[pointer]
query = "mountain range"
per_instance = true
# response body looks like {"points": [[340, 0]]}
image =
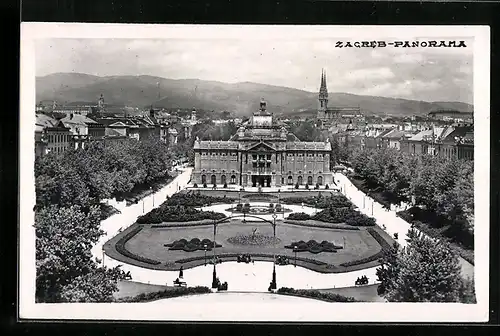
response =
{"points": [[239, 98]]}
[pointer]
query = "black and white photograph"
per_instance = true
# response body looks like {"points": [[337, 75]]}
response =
{"points": [[254, 173]]}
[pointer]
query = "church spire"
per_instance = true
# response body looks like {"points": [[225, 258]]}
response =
{"points": [[323, 96]]}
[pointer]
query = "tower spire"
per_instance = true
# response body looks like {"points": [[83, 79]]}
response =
{"points": [[323, 96]]}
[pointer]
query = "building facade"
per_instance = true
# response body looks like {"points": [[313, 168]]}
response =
{"points": [[262, 153]]}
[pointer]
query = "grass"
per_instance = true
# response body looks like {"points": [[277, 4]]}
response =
{"points": [[366, 293], [149, 243], [378, 194]]}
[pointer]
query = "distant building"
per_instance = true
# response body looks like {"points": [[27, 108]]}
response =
{"points": [[51, 136], [454, 116], [331, 116], [262, 153]]}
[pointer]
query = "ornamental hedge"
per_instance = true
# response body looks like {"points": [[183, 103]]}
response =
{"points": [[332, 214], [320, 202], [168, 293], [315, 294], [313, 246], [193, 245], [195, 199], [179, 213], [120, 247]]}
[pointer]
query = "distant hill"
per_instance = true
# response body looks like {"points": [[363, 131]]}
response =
{"points": [[240, 98]]}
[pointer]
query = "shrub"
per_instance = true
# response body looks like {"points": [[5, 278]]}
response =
{"points": [[317, 186], [193, 245], [296, 186], [331, 297], [307, 186], [168, 293], [167, 213], [344, 215], [298, 216], [327, 186], [195, 185], [120, 247], [225, 185], [204, 185], [195, 200]]}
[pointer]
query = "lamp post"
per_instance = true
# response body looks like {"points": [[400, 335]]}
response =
{"points": [[143, 206], [205, 248], [273, 283], [103, 256], [295, 251], [214, 275]]}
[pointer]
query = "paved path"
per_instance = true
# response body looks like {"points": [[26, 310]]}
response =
{"points": [[393, 223]]}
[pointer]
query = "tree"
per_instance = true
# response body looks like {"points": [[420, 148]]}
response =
{"points": [[426, 270], [64, 264]]}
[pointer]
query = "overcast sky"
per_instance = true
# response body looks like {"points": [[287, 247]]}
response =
{"points": [[429, 74]]}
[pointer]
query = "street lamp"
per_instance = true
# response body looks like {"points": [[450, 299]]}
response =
{"points": [[295, 250], [273, 283], [205, 248], [214, 275]]}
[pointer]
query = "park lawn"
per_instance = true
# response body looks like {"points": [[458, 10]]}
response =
{"points": [[149, 242], [127, 288]]}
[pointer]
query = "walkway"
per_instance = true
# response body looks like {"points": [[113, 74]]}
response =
{"points": [[393, 223]]}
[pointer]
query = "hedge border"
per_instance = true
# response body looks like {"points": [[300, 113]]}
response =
{"points": [[167, 293], [338, 226], [315, 294], [120, 247]]}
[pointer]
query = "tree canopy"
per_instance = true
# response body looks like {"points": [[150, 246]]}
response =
{"points": [[69, 189], [426, 270]]}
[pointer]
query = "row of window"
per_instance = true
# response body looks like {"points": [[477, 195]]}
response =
{"points": [[260, 156], [223, 179], [54, 138], [299, 181]]}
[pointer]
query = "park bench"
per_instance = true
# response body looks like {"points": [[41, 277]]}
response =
{"points": [[178, 283]]}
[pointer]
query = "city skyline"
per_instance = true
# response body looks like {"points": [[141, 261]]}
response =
{"points": [[427, 74]]}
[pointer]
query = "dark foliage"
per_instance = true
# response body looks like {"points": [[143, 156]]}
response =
{"points": [[315, 294], [193, 245], [179, 213], [168, 293], [313, 246]]}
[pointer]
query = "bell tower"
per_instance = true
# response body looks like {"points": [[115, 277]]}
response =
{"points": [[322, 97]]}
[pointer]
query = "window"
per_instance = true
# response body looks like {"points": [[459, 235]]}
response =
{"points": [[254, 164], [320, 180], [269, 156], [223, 179], [203, 179], [299, 180], [233, 179], [254, 157], [268, 165], [213, 179], [309, 180], [290, 180]]}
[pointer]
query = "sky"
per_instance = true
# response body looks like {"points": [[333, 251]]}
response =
{"points": [[428, 74]]}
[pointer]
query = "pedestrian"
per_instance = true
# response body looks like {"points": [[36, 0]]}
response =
{"points": [[181, 272]]}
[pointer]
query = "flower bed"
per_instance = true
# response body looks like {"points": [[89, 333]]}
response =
{"points": [[383, 243], [120, 247], [168, 293], [315, 294], [253, 255], [313, 246], [253, 240], [166, 213], [193, 245]]}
